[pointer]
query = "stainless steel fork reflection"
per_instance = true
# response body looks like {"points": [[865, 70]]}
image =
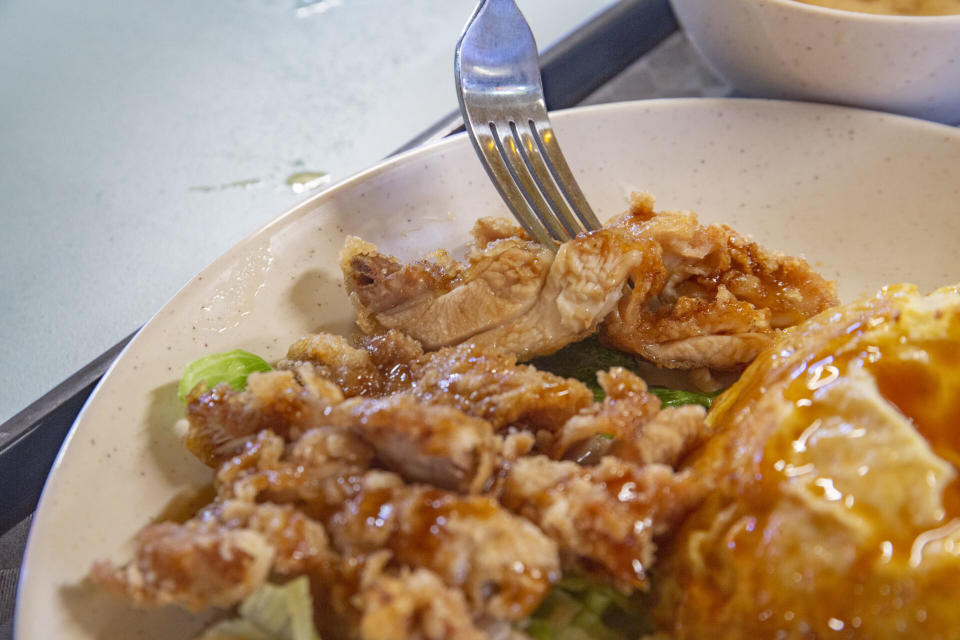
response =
{"points": [[501, 97]]}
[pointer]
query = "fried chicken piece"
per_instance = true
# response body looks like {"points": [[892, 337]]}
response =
{"points": [[316, 473], [216, 559], [626, 407], [630, 425], [488, 383], [285, 402], [414, 605], [604, 518], [335, 359], [712, 298], [483, 382], [667, 438], [422, 442], [514, 444], [510, 293], [504, 564], [195, 568], [392, 352], [434, 444]]}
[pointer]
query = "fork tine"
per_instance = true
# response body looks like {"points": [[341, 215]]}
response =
{"points": [[510, 147], [546, 180], [486, 144], [497, 74], [557, 164]]}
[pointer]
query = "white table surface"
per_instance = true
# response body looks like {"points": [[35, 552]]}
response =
{"points": [[139, 140]]}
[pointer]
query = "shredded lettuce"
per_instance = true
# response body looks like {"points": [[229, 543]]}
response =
{"points": [[272, 612], [581, 361], [231, 367], [578, 608]]}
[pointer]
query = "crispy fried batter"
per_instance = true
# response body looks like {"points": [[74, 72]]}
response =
{"points": [[193, 567], [632, 425], [286, 402], [603, 518], [416, 605], [667, 438], [435, 444], [392, 352], [489, 384], [335, 359], [503, 564], [218, 558]]}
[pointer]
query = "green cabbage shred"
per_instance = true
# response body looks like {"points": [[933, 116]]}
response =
{"points": [[231, 367]]}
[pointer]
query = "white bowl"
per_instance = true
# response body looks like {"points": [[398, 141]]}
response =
{"points": [[789, 49]]}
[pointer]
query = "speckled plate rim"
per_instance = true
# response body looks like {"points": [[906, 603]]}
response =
{"points": [[855, 15], [831, 183]]}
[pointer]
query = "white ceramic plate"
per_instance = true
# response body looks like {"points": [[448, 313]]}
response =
{"points": [[868, 198]]}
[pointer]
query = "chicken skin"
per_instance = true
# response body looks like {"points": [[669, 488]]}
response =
{"points": [[709, 298], [700, 297]]}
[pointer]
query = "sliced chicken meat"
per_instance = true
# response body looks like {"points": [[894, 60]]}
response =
{"points": [[702, 296], [510, 292], [712, 298]]}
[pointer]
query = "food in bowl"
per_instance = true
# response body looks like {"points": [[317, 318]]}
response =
{"points": [[432, 486], [893, 7], [790, 49]]}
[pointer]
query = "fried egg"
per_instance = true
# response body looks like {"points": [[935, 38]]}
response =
{"points": [[833, 508]]}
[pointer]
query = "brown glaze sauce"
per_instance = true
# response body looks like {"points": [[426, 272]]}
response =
{"points": [[921, 378]]}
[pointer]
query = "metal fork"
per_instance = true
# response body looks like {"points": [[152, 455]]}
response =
{"points": [[501, 97]]}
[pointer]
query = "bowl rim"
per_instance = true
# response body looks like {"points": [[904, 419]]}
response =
{"points": [[889, 18]]}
